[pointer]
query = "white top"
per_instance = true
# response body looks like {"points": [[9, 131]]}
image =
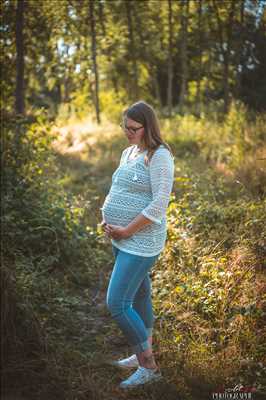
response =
{"points": [[138, 188]]}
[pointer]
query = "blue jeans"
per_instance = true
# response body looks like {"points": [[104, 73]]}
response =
{"points": [[129, 297]]}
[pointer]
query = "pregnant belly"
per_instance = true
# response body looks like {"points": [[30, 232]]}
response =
{"points": [[121, 210], [116, 216]]}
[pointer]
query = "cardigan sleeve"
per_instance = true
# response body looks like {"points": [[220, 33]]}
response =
{"points": [[161, 177]]}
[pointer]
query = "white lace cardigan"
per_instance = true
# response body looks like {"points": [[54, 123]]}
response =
{"points": [[137, 188]]}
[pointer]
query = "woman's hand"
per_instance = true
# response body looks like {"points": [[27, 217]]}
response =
{"points": [[102, 224], [116, 232]]}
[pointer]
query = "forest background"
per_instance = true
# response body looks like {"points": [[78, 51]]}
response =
{"points": [[69, 70]]}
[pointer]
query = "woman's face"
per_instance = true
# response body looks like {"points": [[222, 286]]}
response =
{"points": [[134, 131]]}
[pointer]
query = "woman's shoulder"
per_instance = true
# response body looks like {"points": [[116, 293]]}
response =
{"points": [[125, 153], [162, 152]]}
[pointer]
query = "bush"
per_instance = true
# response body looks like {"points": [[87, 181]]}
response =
{"points": [[45, 240], [208, 284]]}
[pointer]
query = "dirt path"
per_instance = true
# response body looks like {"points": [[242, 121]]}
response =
{"points": [[99, 339]]}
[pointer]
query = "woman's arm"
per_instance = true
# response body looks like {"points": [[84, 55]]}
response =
{"points": [[120, 232], [137, 223], [162, 177]]}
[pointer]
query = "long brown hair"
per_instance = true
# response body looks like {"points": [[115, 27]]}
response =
{"points": [[143, 113]]}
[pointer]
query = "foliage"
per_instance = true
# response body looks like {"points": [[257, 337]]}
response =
{"points": [[45, 242], [209, 283], [226, 45]]}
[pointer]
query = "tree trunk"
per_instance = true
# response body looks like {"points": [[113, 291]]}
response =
{"points": [[184, 63], [198, 94], [102, 17], [239, 59], [132, 51], [107, 52], [170, 60], [94, 60], [65, 87], [157, 86], [225, 37], [19, 93]]}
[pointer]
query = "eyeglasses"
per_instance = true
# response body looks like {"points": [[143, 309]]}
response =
{"points": [[131, 129]]}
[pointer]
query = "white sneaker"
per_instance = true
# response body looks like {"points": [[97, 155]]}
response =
{"points": [[130, 362], [140, 377]]}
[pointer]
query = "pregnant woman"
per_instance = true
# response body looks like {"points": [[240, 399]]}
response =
{"points": [[134, 218]]}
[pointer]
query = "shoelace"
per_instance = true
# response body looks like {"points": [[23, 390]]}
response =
{"points": [[141, 370]]}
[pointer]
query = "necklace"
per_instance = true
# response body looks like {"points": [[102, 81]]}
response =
{"points": [[139, 151], [135, 153], [132, 156]]}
